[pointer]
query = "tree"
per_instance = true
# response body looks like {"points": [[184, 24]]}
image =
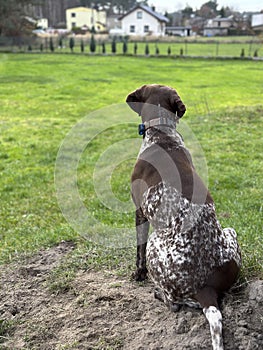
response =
{"points": [[222, 12], [122, 6], [12, 17], [92, 45], [169, 50], [208, 9], [187, 11], [157, 50]]}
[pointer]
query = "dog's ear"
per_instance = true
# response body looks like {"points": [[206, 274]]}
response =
{"points": [[135, 99], [177, 105]]}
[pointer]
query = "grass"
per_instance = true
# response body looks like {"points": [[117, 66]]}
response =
{"points": [[44, 96], [6, 329]]}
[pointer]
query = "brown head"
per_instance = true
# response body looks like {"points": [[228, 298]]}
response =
{"points": [[149, 99]]}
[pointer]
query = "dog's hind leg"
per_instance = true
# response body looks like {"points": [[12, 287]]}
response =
{"points": [[207, 298]]}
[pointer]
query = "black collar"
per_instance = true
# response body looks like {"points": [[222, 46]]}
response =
{"points": [[154, 122]]}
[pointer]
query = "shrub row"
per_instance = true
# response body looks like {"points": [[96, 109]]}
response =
{"points": [[93, 45]]}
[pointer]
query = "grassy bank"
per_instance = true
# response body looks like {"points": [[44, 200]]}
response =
{"points": [[44, 96]]}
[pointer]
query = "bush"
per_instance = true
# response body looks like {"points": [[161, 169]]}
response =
{"points": [[124, 47], [147, 50], [113, 46], [103, 47], [82, 47], [60, 43], [51, 45], [92, 45], [135, 48], [169, 50], [157, 50], [71, 44]]}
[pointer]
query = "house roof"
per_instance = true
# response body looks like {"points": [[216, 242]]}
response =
{"points": [[223, 19], [81, 9], [149, 10]]}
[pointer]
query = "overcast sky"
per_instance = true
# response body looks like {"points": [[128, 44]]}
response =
{"points": [[174, 5]]}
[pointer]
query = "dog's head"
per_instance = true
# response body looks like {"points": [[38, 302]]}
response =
{"points": [[149, 98]]}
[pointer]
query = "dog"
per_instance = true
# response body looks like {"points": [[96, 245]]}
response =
{"points": [[188, 255]]}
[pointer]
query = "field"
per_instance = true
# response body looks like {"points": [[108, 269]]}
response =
{"points": [[43, 97]]}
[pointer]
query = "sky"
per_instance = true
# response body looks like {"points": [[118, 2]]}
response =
{"points": [[238, 5]]}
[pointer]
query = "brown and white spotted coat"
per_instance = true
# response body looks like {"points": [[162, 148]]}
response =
{"points": [[188, 255]]}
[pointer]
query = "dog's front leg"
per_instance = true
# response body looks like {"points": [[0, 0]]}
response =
{"points": [[142, 229]]}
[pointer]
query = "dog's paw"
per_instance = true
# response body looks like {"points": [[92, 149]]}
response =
{"points": [[140, 274]]}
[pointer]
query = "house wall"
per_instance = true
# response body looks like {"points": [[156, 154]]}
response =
{"points": [[79, 17], [215, 31], [222, 24], [154, 26], [257, 20]]}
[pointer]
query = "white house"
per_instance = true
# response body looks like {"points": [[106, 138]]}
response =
{"points": [[143, 20], [219, 26], [257, 21], [85, 17]]}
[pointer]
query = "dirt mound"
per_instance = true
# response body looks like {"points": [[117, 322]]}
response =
{"points": [[104, 311]]}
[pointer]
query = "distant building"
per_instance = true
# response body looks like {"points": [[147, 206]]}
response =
{"points": [[42, 23], [89, 18], [179, 31], [218, 26], [143, 20], [257, 22]]}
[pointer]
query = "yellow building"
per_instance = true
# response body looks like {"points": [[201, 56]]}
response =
{"points": [[86, 17]]}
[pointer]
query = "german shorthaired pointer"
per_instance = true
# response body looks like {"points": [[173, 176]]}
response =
{"points": [[190, 258]]}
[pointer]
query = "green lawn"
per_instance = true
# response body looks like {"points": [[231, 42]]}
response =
{"points": [[44, 96]]}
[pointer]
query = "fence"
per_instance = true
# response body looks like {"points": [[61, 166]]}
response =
{"points": [[252, 47]]}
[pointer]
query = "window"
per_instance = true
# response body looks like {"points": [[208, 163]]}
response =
{"points": [[139, 14], [73, 14], [132, 29], [146, 29], [73, 25]]}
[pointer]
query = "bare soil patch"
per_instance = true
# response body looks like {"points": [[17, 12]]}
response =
{"points": [[102, 310]]}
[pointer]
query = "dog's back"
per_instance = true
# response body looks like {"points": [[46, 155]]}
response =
{"points": [[188, 242]]}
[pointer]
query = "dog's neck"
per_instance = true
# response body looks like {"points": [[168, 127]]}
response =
{"points": [[160, 121], [153, 135]]}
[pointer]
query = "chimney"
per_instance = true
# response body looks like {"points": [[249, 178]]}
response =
{"points": [[153, 8]]}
